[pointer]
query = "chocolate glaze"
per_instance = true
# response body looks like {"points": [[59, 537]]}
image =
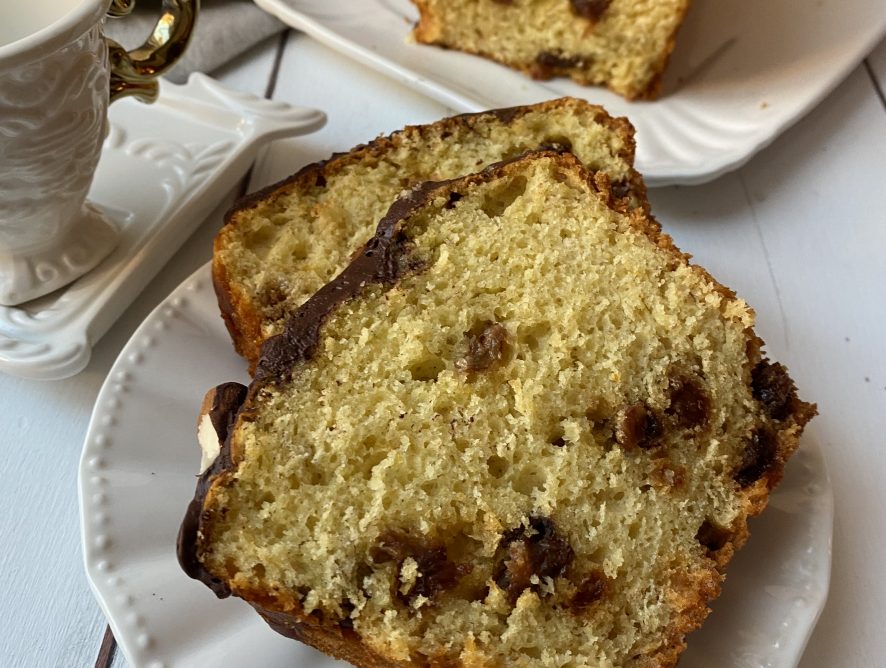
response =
{"points": [[226, 400], [225, 405], [378, 262]]}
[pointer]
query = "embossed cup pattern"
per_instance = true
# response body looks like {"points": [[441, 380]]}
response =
{"points": [[52, 124]]}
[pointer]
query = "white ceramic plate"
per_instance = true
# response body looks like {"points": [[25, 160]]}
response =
{"points": [[137, 475], [742, 72], [163, 169]]}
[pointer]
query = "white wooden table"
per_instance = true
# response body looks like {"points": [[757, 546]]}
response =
{"points": [[800, 232]]}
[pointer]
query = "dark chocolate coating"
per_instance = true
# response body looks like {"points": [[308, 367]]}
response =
{"points": [[378, 262], [225, 405]]}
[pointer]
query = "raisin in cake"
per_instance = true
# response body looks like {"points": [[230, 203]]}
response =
{"points": [[622, 44], [520, 429], [282, 244]]}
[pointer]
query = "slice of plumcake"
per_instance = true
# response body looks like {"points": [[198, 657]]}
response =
{"points": [[519, 429]]}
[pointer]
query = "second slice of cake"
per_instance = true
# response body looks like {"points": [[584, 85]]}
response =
{"points": [[279, 246]]}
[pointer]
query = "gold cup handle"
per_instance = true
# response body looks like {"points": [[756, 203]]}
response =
{"points": [[135, 72]]}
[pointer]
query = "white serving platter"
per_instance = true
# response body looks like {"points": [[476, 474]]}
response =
{"points": [[743, 71]]}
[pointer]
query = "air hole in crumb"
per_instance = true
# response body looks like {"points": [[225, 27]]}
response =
{"points": [[598, 411], [453, 198], [528, 480], [258, 570], [426, 368], [259, 239], [347, 608], [557, 437], [533, 336], [532, 652], [372, 455], [497, 466], [311, 474], [462, 548], [712, 536], [495, 203], [272, 297], [598, 556]]}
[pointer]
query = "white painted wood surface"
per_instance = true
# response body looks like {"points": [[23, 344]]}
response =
{"points": [[800, 233]]}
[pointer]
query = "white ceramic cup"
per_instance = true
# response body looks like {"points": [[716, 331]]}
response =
{"points": [[57, 74]]}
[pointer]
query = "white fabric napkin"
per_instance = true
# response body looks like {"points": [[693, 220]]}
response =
{"points": [[225, 28]]}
